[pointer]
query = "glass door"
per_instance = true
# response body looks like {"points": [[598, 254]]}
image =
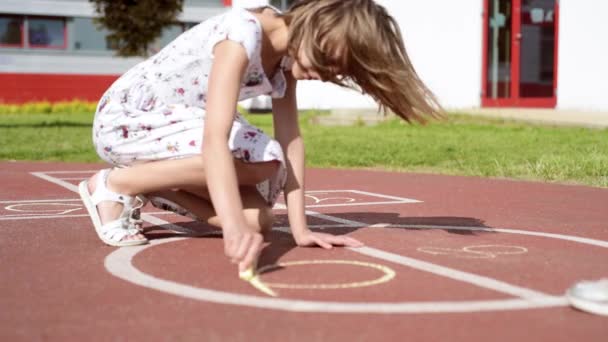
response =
{"points": [[520, 53], [499, 69]]}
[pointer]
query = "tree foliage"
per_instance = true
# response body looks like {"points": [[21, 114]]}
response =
{"points": [[135, 24]]}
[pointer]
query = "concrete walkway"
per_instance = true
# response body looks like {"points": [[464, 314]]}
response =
{"points": [[554, 117], [544, 116]]}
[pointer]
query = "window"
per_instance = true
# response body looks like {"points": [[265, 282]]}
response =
{"points": [[167, 36], [11, 31], [189, 25], [87, 37], [37, 32], [46, 33]]}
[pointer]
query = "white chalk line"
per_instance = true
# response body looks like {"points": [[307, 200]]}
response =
{"points": [[529, 298], [356, 204], [27, 207], [59, 200], [68, 172], [588, 241], [278, 206], [120, 264], [475, 251], [465, 277], [122, 267], [46, 177], [318, 200], [395, 200], [41, 217]]}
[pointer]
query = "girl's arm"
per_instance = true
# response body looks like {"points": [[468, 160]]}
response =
{"points": [[287, 133], [241, 243]]}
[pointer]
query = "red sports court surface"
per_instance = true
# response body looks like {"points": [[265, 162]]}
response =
{"points": [[446, 258]]}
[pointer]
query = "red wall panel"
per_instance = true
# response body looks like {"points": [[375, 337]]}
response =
{"points": [[19, 88]]}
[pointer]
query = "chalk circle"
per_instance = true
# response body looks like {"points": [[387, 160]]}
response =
{"points": [[458, 253], [120, 264], [496, 249], [46, 208], [476, 251], [388, 274]]}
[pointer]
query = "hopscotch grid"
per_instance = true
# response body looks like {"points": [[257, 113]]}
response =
{"points": [[280, 206], [34, 215], [40, 201], [406, 200], [490, 283], [395, 200], [64, 172], [57, 181], [38, 217], [357, 204]]}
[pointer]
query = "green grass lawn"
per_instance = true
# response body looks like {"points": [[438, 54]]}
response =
{"points": [[461, 146]]}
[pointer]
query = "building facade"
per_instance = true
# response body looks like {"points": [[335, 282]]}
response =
{"points": [[471, 53], [52, 50]]}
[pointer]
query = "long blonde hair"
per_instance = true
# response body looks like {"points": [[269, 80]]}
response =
{"points": [[371, 52]]}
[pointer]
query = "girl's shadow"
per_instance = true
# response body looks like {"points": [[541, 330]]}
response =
{"points": [[280, 243]]}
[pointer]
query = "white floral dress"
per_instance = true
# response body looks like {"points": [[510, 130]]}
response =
{"points": [[156, 110]]}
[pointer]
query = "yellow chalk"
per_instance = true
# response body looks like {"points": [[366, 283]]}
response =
{"points": [[249, 275]]}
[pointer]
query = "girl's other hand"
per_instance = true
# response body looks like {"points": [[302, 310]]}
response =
{"points": [[327, 241], [243, 247]]}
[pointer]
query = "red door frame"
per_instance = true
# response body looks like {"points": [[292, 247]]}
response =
{"points": [[515, 100]]}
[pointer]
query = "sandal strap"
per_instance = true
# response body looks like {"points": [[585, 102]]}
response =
{"points": [[102, 193], [115, 230], [134, 215]]}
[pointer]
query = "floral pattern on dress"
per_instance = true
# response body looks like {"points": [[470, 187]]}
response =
{"points": [[156, 110]]}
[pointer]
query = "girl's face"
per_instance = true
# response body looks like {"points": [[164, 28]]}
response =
{"points": [[302, 68]]}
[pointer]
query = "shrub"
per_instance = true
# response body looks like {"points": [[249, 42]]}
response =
{"points": [[45, 107]]}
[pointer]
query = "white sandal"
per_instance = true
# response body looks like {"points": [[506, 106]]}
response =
{"points": [[127, 224], [135, 220]]}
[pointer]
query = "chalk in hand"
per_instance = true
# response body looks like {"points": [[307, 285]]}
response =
{"points": [[249, 275]]}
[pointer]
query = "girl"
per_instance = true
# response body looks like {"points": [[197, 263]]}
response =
{"points": [[170, 125]]}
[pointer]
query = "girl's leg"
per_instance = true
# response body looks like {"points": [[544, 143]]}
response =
{"points": [[179, 174], [196, 200], [170, 174]]}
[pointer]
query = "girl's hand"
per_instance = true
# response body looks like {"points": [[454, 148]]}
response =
{"points": [[243, 247], [327, 241]]}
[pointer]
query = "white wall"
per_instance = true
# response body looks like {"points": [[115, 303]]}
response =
{"points": [[249, 3], [583, 55], [444, 41]]}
